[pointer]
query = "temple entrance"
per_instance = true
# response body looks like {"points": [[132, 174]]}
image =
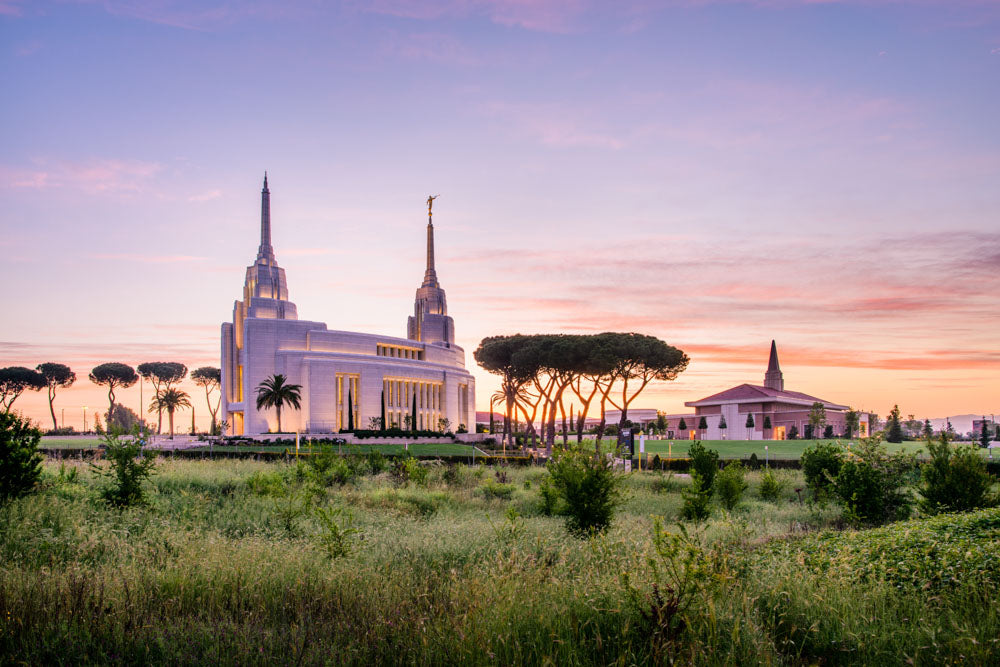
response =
{"points": [[779, 433]]}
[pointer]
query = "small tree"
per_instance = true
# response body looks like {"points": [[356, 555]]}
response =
{"points": [[820, 465], [14, 380], [55, 375], [209, 378], [817, 418], [444, 424], [955, 479], [350, 411], [722, 426], [275, 392], [123, 418], [696, 499], [590, 487], [894, 430], [730, 484], [702, 426], [793, 432], [828, 431], [20, 462], [767, 422], [704, 462], [682, 425], [872, 484], [984, 436], [851, 419], [130, 466], [928, 429], [113, 375], [750, 424]]}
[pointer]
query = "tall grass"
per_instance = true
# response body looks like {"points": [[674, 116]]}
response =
{"points": [[226, 564]]}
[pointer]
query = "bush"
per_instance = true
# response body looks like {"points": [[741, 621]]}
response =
{"points": [[872, 484], [496, 490], [549, 497], [696, 500], [771, 487], [589, 486], [955, 479], [820, 465], [409, 470], [20, 462], [730, 484], [704, 462], [130, 467], [336, 537], [376, 462]]}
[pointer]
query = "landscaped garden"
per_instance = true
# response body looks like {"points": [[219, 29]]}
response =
{"points": [[362, 559]]}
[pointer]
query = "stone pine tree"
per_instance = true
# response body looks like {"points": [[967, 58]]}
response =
{"points": [[113, 375], [750, 424], [14, 380], [210, 378], [163, 375], [894, 430], [56, 375]]}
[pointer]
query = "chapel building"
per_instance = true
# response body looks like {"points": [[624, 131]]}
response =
{"points": [[340, 370]]}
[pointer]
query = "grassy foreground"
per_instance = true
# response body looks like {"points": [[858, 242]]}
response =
{"points": [[230, 562]]}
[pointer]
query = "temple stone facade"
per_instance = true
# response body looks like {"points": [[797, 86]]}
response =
{"points": [[340, 370]]}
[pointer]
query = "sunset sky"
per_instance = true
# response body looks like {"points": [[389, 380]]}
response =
{"points": [[714, 173]]}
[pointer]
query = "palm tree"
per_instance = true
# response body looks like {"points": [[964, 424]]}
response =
{"points": [[170, 400], [274, 393]]}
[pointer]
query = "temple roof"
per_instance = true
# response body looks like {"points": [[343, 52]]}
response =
{"points": [[748, 393]]}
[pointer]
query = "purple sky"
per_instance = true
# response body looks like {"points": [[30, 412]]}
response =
{"points": [[713, 173]]}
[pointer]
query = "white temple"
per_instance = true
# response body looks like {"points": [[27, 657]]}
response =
{"points": [[337, 369]]}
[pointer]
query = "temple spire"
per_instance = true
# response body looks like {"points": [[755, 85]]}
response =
{"points": [[773, 378], [265, 254], [430, 275]]}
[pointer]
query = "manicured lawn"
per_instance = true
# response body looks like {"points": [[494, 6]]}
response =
{"points": [[417, 449]]}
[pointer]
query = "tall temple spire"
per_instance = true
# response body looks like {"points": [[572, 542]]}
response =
{"points": [[265, 254], [773, 378], [430, 275]]}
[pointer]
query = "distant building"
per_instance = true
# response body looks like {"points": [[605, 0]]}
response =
{"points": [[340, 371], [977, 428], [775, 411]]}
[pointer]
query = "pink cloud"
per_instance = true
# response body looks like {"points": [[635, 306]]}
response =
{"points": [[108, 176]]}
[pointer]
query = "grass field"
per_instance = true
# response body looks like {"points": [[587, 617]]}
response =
{"points": [[236, 562]]}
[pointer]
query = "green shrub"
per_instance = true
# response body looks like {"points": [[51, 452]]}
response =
{"points": [[955, 479], [705, 462], [663, 483], [20, 462], [376, 462], [496, 490], [263, 483], [590, 488], [549, 497], [336, 536], [730, 484], [820, 464], [696, 499], [409, 470], [130, 467], [872, 484], [771, 486]]}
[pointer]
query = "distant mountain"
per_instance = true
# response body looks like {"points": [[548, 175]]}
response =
{"points": [[961, 423]]}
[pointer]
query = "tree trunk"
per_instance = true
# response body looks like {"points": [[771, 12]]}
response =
{"points": [[277, 409], [52, 398], [170, 415]]}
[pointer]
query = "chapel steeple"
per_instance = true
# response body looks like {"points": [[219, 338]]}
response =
{"points": [[773, 379], [265, 289]]}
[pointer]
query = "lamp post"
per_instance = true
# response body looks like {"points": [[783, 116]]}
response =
{"points": [[85, 419]]}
